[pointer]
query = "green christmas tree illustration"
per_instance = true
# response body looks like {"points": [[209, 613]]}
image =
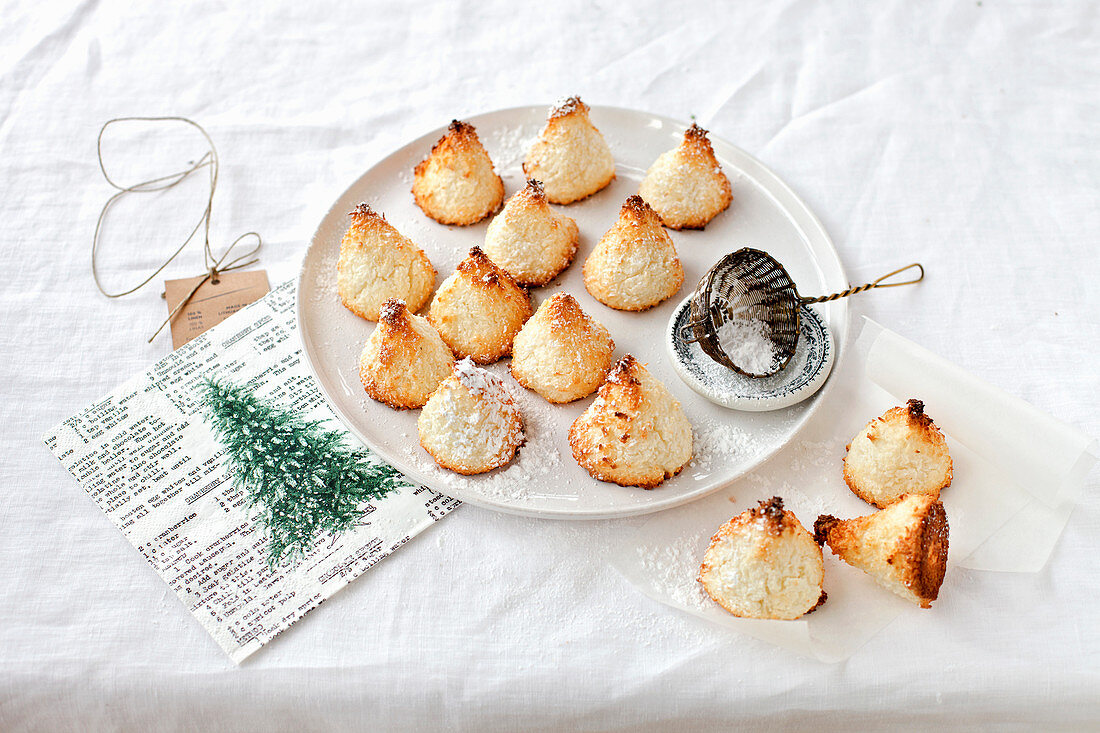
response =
{"points": [[302, 478]]}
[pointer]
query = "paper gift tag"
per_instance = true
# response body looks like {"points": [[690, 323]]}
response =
{"points": [[213, 302]]}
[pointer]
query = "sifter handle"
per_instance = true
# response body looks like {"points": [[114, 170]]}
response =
{"points": [[870, 286]]}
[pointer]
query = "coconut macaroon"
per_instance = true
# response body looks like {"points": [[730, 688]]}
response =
{"points": [[377, 263], [404, 360], [634, 433], [471, 423], [902, 452], [456, 183], [634, 266], [570, 156], [903, 547], [531, 241], [686, 185], [764, 564], [479, 309], [561, 353]]}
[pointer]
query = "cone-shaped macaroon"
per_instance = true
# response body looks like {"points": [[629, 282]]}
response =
{"points": [[634, 266], [479, 309], [764, 564], [561, 353], [377, 263], [686, 185], [902, 452], [903, 547], [404, 359], [471, 423], [570, 157], [456, 183], [635, 433], [531, 241]]}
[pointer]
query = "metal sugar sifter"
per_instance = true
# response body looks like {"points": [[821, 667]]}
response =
{"points": [[752, 285]]}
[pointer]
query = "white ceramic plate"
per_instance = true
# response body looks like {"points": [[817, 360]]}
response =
{"points": [[544, 480]]}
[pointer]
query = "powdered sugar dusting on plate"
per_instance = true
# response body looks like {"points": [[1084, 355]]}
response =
{"points": [[674, 568]]}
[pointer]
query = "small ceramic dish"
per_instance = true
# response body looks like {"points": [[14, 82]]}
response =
{"points": [[800, 379]]}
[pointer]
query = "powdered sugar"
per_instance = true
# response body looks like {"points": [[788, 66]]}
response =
{"points": [[673, 569], [748, 345], [718, 441], [481, 382]]}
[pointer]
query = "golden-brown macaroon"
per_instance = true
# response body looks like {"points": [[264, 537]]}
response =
{"points": [[456, 183], [561, 353], [903, 547], [377, 263], [902, 452], [686, 185], [531, 241], [479, 309], [634, 433], [471, 423], [570, 157], [634, 266], [764, 564], [404, 360]]}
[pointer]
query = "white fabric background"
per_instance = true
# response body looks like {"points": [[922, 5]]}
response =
{"points": [[962, 134]]}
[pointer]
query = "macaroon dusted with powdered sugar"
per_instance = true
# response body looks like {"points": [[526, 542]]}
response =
{"points": [[635, 433], [404, 360], [471, 423], [377, 263], [570, 157], [562, 353], [902, 452], [530, 240], [634, 266], [479, 309], [686, 185], [764, 564], [456, 183]]}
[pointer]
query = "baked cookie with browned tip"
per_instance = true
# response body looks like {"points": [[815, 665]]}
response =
{"points": [[378, 263], [634, 433], [686, 185], [570, 157], [561, 353], [471, 423], [530, 240], [479, 309], [764, 564], [404, 360], [902, 452], [903, 547], [456, 183], [634, 266]]}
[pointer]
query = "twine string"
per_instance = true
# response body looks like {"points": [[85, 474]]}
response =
{"points": [[213, 265]]}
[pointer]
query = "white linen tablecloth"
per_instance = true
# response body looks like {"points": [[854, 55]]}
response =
{"points": [[961, 134]]}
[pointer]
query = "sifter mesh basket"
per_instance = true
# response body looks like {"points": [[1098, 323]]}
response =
{"points": [[751, 284]]}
